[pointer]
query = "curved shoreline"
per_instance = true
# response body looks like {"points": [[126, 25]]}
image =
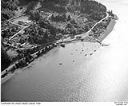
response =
{"points": [[11, 69], [108, 30]]}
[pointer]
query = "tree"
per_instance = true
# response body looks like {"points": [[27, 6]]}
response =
{"points": [[8, 8], [5, 60], [31, 7], [69, 18], [111, 13], [45, 37], [35, 15]]}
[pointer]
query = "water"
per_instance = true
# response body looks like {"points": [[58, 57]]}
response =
{"points": [[67, 74]]}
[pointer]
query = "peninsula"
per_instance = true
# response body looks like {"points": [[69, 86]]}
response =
{"points": [[30, 28]]}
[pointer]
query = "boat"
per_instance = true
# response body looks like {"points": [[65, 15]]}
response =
{"points": [[62, 45]]}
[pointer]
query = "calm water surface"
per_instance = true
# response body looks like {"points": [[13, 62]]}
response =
{"points": [[71, 74]]}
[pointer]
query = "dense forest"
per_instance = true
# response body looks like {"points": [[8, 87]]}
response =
{"points": [[94, 9]]}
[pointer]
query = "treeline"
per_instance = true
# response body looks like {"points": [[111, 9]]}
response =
{"points": [[94, 9], [26, 2], [5, 59], [37, 35], [41, 32], [8, 8], [60, 18], [54, 5]]}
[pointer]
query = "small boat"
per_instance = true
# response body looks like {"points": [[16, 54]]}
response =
{"points": [[105, 44], [60, 63], [91, 53], [62, 45], [82, 39]]}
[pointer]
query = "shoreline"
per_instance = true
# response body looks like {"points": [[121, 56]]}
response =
{"points": [[108, 30], [12, 69]]}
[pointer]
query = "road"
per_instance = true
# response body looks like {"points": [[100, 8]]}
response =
{"points": [[81, 71]]}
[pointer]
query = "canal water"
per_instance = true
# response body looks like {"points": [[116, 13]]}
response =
{"points": [[81, 71]]}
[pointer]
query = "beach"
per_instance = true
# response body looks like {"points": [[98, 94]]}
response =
{"points": [[82, 71]]}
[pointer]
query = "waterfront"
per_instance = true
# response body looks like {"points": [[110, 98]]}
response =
{"points": [[69, 74]]}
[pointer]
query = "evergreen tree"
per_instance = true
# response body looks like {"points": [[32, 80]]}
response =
{"points": [[69, 18]]}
